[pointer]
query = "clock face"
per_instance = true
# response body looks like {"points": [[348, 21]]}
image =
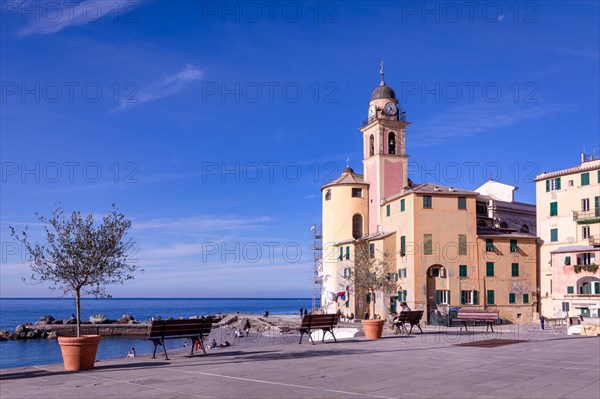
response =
{"points": [[372, 110], [390, 108]]}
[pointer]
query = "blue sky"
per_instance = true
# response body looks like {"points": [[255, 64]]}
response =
{"points": [[212, 125]]}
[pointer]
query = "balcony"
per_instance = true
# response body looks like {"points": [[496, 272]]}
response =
{"points": [[595, 241], [585, 217]]}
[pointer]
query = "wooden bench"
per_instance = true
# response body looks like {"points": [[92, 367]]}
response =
{"points": [[312, 322], [412, 317], [195, 329], [489, 317]]}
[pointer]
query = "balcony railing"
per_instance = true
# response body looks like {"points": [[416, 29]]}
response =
{"points": [[587, 216], [594, 240]]}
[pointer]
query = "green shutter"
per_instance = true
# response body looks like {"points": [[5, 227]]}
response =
{"points": [[585, 179], [462, 271], [553, 208], [567, 260], [490, 297], [570, 289], [387, 210], [553, 235], [597, 206], [438, 296], [547, 185], [402, 205], [512, 298], [463, 297], [525, 298], [557, 183], [347, 304], [428, 244], [347, 252], [402, 245], [462, 203], [489, 269], [475, 297], [597, 287], [341, 253], [368, 298], [515, 270]]}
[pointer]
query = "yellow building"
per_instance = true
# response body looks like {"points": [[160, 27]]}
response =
{"points": [[445, 251], [568, 222]]}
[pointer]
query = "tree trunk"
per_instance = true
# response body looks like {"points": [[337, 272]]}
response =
{"points": [[78, 311]]}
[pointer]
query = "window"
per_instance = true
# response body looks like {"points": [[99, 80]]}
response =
{"points": [[525, 298], [585, 258], [427, 244], [513, 246], [402, 207], [553, 235], [503, 225], [392, 143], [402, 294], [512, 298], [570, 289], [437, 272], [347, 272], [388, 210], [402, 245], [585, 205], [553, 184], [442, 297], [341, 253], [462, 244], [371, 145], [427, 202], [514, 270], [585, 231], [462, 271], [553, 208], [372, 250], [462, 202], [327, 195], [347, 252], [357, 226], [481, 209], [466, 297], [524, 229], [489, 245], [571, 183], [490, 297], [567, 260], [357, 192], [489, 269], [585, 179]]}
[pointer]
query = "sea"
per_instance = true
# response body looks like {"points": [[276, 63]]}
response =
{"points": [[21, 353]]}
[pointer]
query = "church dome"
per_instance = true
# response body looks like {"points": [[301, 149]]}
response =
{"points": [[383, 91]]}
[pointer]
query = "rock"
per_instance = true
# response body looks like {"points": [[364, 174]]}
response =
{"points": [[30, 334], [52, 335], [98, 319], [47, 319], [58, 322], [21, 328], [125, 319], [70, 321]]}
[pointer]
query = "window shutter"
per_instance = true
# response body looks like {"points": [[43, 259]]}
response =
{"points": [[490, 297], [368, 298], [438, 295], [567, 260], [347, 252], [512, 298], [387, 210], [462, 271], [585, 179], [448, 293], [525, 298], [557, 183], [553, 208], [475, 297], [402, 245], [547, 185], [515, 270], [463, 297], [402, 204], [570, 289], [489, 269], [341, 253]]}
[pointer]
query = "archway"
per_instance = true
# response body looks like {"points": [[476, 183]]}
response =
{"points": [[438, 294]]}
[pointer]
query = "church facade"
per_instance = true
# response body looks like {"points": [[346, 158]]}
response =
{"points": [[446, 247]]}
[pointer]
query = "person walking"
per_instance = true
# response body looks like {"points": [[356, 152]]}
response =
{"points": [[301, 310], [542, 321]]}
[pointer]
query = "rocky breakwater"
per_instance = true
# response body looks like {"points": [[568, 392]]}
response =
{"points": [[49, 327]]}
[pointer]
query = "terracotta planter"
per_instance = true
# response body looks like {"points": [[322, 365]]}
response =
{"points": [[79, 353], [373, 328]]}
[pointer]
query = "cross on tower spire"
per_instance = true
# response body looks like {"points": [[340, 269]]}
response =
{"points": [[381, 72]]}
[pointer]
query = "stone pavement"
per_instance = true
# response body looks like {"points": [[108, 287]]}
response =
{"points": [[505, 364]]}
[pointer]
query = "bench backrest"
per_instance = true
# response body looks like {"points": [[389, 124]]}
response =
{"points": [[175, 328], [478, 314], [319, 321], [411, 317]]}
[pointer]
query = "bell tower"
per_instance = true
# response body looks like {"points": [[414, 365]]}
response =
{"points": [[384, 147]]}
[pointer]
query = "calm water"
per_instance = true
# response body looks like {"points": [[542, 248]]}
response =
{"points": [[18, 353]]}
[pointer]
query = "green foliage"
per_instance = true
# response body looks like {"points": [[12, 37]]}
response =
{"points": [[80, 257]]}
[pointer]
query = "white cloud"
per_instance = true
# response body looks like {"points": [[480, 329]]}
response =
{"points": [[49, 17], [167, 86]]}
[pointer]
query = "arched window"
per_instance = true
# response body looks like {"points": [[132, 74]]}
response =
{"points": [[392, 143], [327, 195], [588, 286], [481, 223], [524, 229], [371, 145], [357, 226], [503, 225]]}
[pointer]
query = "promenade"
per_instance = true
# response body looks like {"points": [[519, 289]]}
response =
{"points": [[437, 364]]}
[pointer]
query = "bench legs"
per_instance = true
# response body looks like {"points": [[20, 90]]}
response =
{"points": [[416, 324], [330, 330], [162, 343], [307, 332]]}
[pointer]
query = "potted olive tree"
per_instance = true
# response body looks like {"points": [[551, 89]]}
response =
{"points": [[370, 275], [80, 257]]}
